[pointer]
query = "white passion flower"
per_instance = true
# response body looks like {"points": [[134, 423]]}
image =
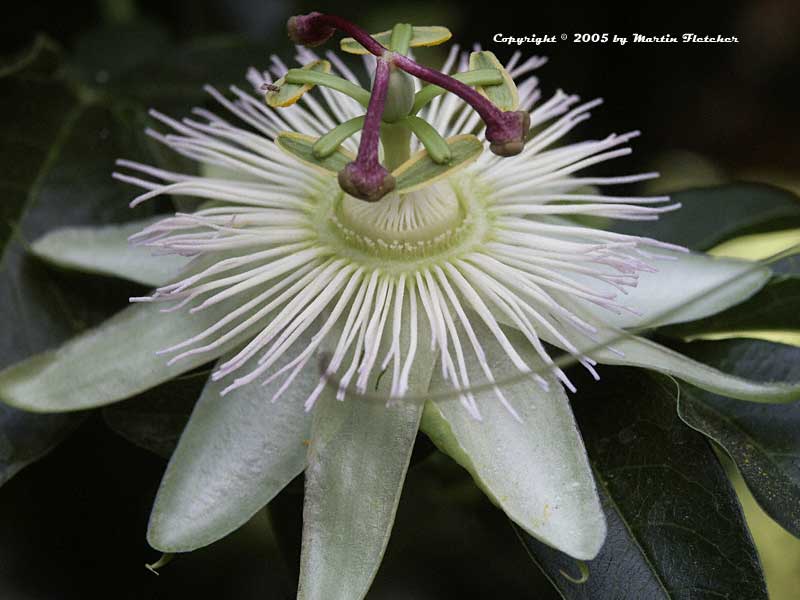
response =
{"points": [[301, 265], [415, 243]]}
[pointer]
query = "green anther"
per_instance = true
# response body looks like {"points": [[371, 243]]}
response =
{"points": [[434, 143], [330, 142], [420, 36], [478, 77], [300, 76], [504, 96], [401, 38]]}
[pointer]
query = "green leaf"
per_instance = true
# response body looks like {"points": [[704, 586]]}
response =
{"points": [[111, 362], [426, 35], [535, 469], [504, 95], [289, 93], [762, 440], [137, 63], [714, 214], [302, 147], [421, 170], [676, 529], [236, 453], [104, 56], [105, 250], [357, 462], [774, 308], [155, 419]]}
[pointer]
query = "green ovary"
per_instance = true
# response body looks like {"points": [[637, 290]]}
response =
{"points": [[406, 231]]}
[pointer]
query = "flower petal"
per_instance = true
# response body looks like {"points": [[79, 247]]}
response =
{"points": [[234, 456], [110, 362], [534, 468], [639, 352], [691, 286], [357, 462], [106, 251]]}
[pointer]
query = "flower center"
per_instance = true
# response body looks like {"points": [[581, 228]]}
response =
{"points": [[419, 224]]}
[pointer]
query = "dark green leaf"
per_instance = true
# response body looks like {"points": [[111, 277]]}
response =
{"points": [[172, 77], [103, 57], [714, 214], [774, 307], [137, 64], [675, 526], [56, 154], [25, 438], [449, 541], [155, 419], [43, 58], [763, 439]]}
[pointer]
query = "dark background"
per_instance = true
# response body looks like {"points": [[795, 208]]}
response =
{"points": [[73, 525], [736, 103]]}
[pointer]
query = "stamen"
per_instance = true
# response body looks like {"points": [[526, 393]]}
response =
{"points": [[506, 131]]}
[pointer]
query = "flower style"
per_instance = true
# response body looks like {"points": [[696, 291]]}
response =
{"points": [[417, 243]]}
